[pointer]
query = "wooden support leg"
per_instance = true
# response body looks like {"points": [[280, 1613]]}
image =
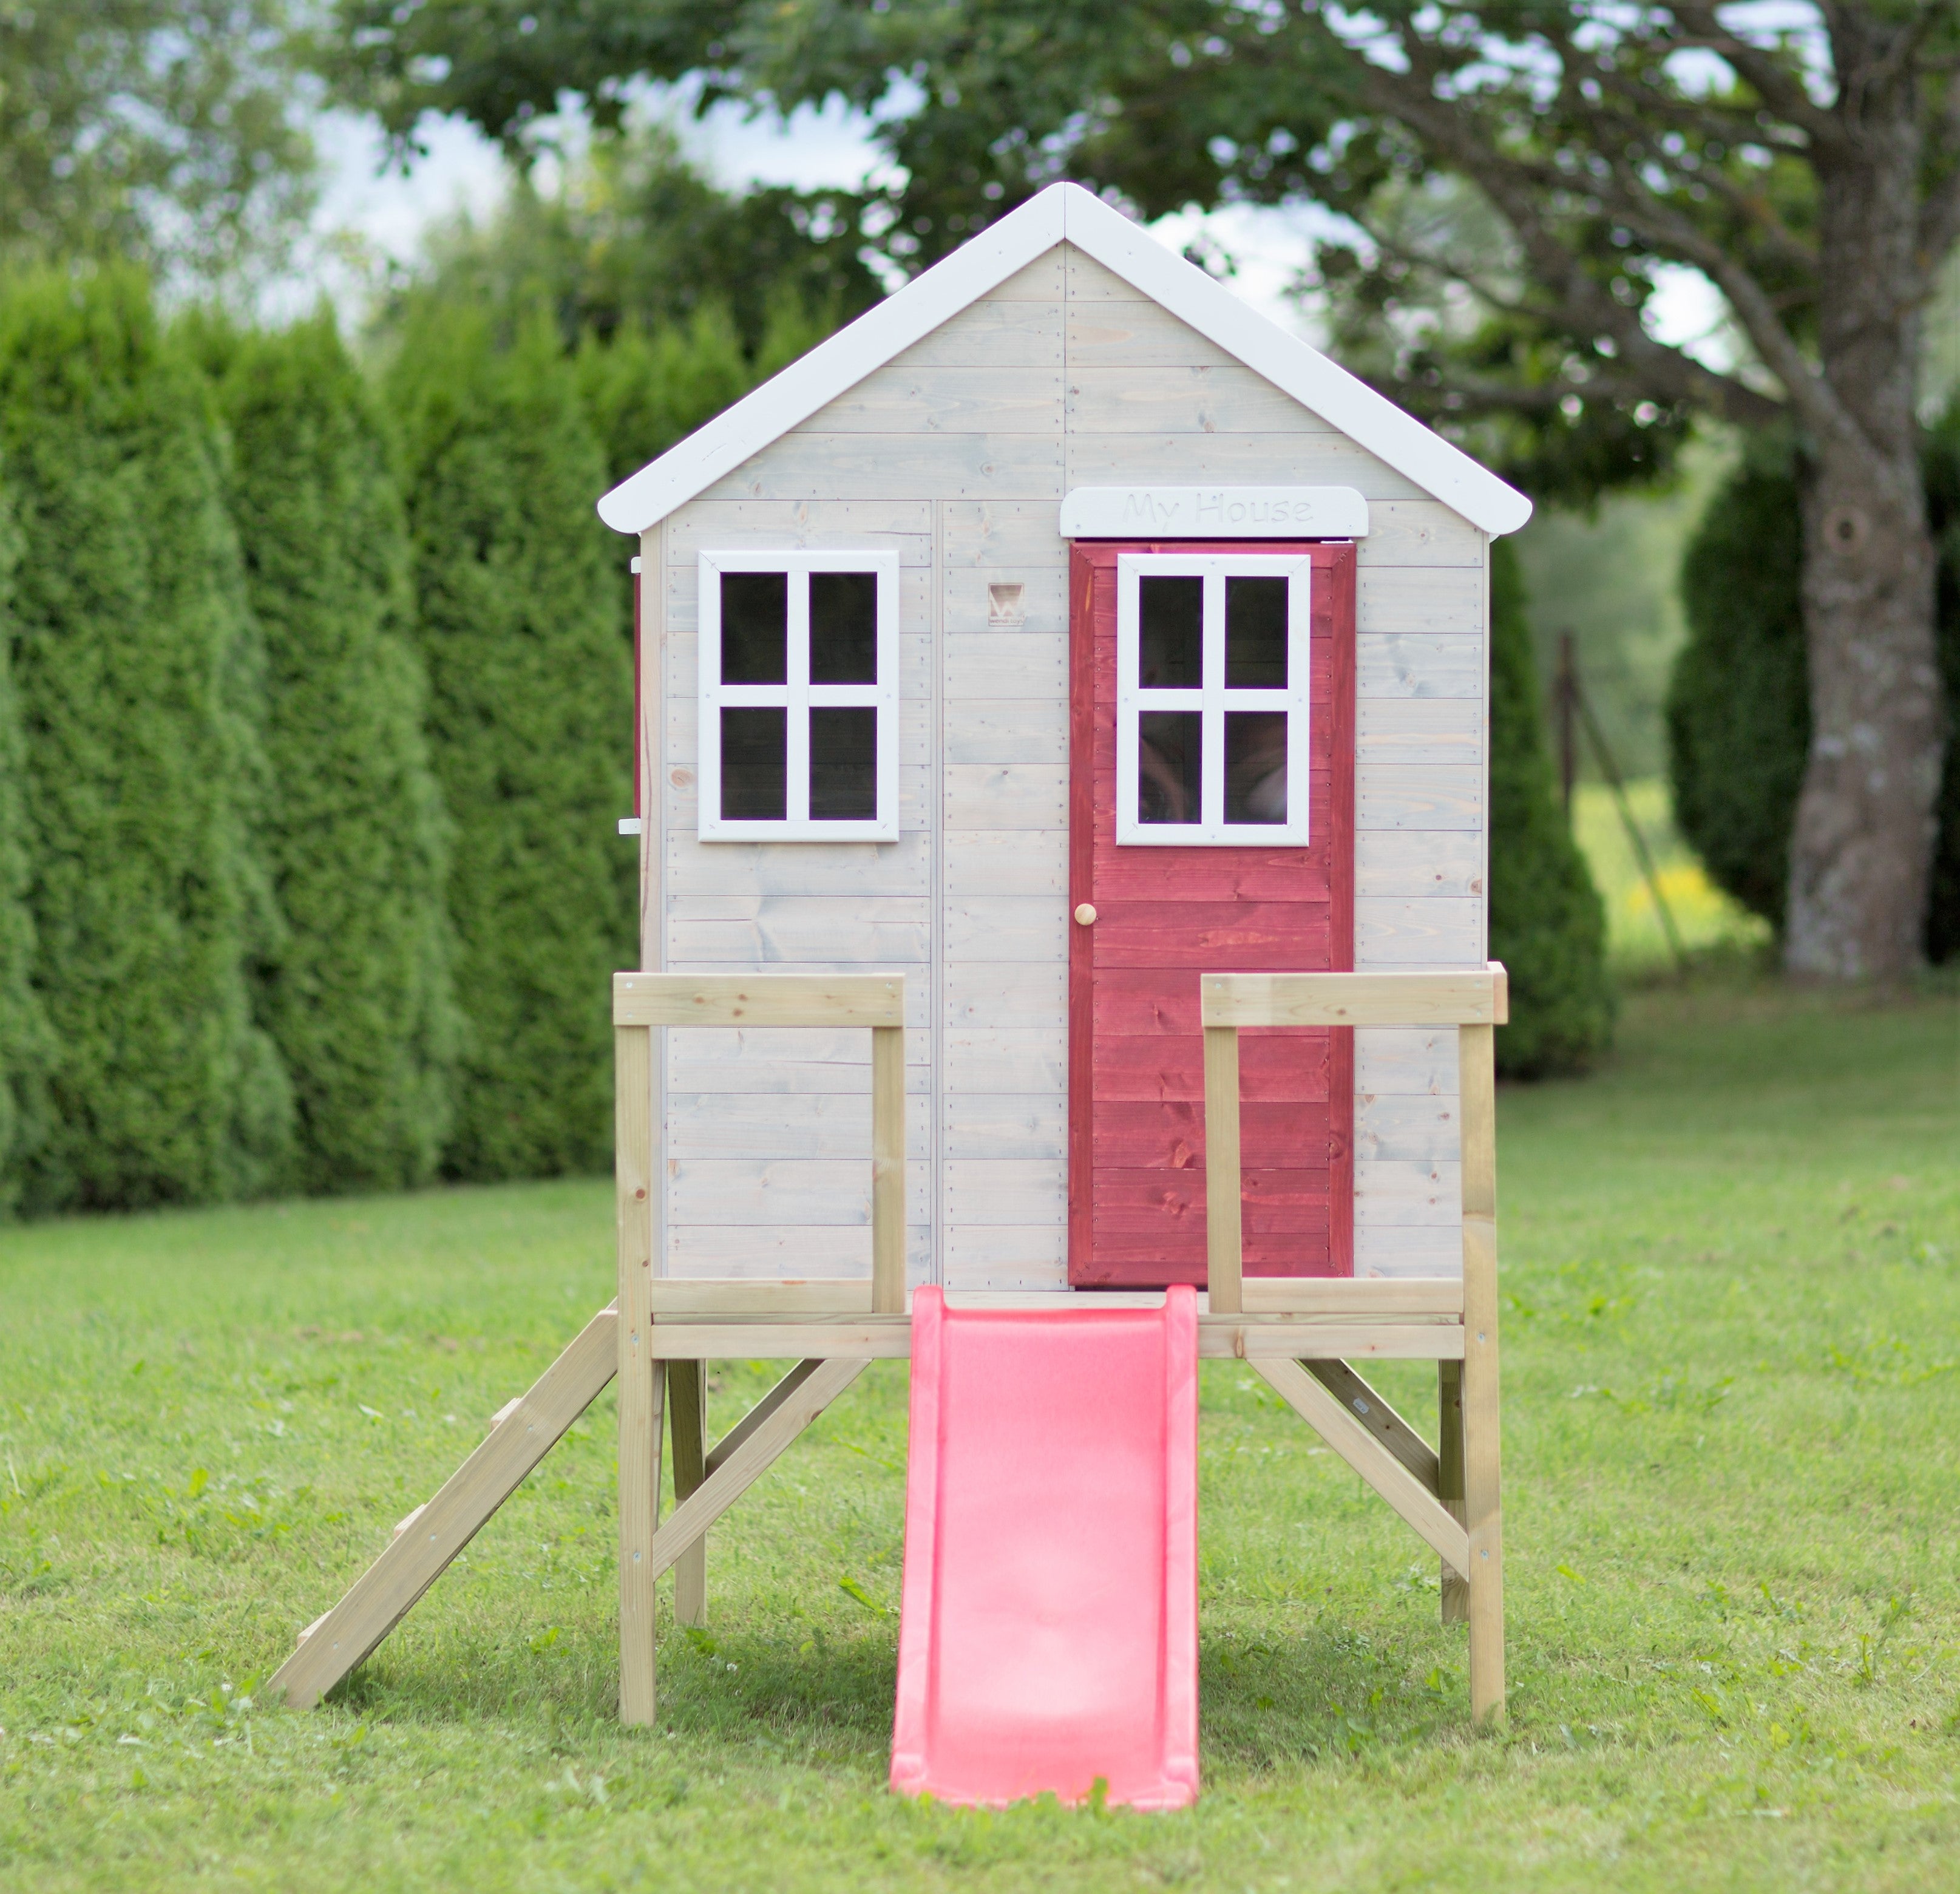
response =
{"points": [[1449, 1456], [687, 1406], [1481, 1516], [642, 1379], [735, 1474], [433, 1534]]}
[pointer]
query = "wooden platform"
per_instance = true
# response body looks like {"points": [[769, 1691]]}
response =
{"points": [[1302, 1336]]}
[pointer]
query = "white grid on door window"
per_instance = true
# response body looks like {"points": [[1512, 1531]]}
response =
{"points": [[1212, 699], [799, 696]]}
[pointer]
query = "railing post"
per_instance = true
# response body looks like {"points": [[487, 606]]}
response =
{"points": [[888, 1170], [1223, 1185]]}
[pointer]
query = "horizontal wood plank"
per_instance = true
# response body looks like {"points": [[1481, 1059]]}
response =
{"points": [[737, 1296], [824, 465], [1405, 864], [1467, 998], [941, 398], [1233, 460], [903, 526], [758, 999], [1205, 398], [994, 335], [1403, 533], [1418, 663]]}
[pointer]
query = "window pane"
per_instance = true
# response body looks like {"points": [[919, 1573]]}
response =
{"points": [[1170, 648], [844, 765], [1255, 765], [1255, 634], [843, 628], [755, 627], [755, 765], [1169, 751]]}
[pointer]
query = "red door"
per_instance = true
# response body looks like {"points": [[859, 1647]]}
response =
{"points": [[1207, 683]]}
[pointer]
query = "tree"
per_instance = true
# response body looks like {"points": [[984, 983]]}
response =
{"points": [[630, 238], [1739, 705], [1812, 174], [1546, 924], [24, 1042], [140, 685], [162, 130], [358, 997], [530, 724]]}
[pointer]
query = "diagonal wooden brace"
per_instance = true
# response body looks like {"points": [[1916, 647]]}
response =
{"points": [[412, 1562], [1366, 1452], [1380, 1419], [738, 1469], [718, 1454]]}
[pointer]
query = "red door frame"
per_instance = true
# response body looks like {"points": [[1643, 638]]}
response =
{"points": [[1331, 852]]}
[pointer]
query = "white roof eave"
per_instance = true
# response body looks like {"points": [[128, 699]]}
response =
{"points": [[1064, 213]]}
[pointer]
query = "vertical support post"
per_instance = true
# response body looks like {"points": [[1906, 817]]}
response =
{"points": [[1455, 1602], [1222, 1186], [1477, 1090], [687, 1409], [641, 1380], [888, 1170]]}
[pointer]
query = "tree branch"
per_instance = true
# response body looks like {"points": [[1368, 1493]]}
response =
{"points": [[1782, 91], [1584, 304]]}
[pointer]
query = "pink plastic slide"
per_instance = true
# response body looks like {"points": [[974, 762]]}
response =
{"points": [[1049, 1628]]}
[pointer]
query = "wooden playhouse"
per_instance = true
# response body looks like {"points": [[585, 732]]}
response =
{"points": [[1057, 671]]}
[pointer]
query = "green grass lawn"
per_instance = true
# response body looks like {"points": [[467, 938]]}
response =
{"points": [[1731, 1277]]}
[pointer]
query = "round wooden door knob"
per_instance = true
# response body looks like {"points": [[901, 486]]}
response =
{"points": [[1085, 915]]}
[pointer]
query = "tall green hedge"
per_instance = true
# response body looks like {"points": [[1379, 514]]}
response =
{"points": [[530, 711], [358, 997], [25, 1046], [139, 681], [1738, 701], [1546, 924]]}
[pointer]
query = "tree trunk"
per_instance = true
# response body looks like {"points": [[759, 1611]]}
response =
{"points": [[1862, 847]]}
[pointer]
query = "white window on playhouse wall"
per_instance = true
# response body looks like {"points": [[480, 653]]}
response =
{"points": [[799, 696], [1212, 699]]}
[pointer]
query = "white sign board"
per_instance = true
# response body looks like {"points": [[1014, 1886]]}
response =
{"points": [[1225, 513]]}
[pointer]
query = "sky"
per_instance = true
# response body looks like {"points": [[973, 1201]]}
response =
{"points": [[387, 213]]}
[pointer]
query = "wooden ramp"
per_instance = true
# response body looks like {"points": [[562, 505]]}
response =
{"points": [[433, 1534]]}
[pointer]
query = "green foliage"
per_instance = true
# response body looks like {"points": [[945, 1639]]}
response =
{"points": [[25, 1046], [163, 129], [1573, 157], [630, 235], [1738, 701], [530, 711], [140, 685], [644, 390], [1546, 924], [358, 997]]}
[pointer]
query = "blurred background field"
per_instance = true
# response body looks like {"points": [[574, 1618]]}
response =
{"points": [[1705, 920]]}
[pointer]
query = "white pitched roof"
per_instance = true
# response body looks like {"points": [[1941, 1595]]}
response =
{"points": [[1063, 213]]}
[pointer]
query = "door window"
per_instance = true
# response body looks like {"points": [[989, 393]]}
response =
{"points": [[1212, 699]]}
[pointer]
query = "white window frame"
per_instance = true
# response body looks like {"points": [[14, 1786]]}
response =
{"points": [[799, 696], [1213, 700]]}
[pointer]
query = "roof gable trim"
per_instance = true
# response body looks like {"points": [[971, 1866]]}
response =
{"points": [[1064, 212]]}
